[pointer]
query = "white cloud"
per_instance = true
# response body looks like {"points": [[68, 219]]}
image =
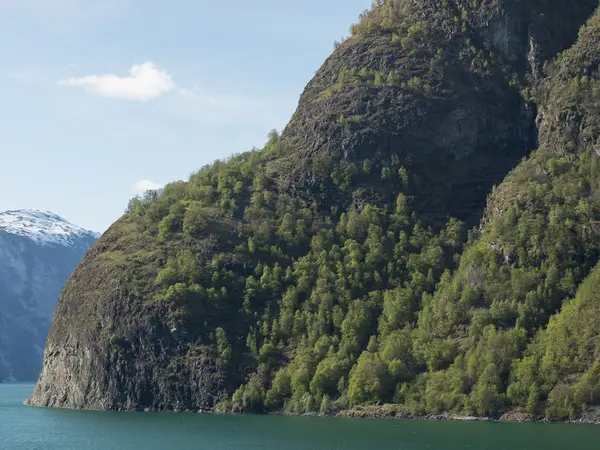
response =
{"points": [[145, 82], [146, 185]]}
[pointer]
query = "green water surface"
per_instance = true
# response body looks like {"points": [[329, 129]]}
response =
{"points": [[26, 428]]}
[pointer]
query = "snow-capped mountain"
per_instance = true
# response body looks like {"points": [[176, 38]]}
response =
{"points": [[43, 227], [38, 252]]}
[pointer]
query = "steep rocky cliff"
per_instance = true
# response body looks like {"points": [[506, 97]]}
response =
{"points": [[436, 85], [38, 251], [335, 267]]}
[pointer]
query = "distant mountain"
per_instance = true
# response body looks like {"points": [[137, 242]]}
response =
{"points": [[38, 251]]}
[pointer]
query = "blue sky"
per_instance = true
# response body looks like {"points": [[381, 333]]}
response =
{"points": [[100, 95]]}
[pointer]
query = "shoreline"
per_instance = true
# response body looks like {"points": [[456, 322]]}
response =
{"points": [[589, 417], [392, 412]]}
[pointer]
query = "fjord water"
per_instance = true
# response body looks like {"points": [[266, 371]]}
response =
{"points": [[26, 428]]}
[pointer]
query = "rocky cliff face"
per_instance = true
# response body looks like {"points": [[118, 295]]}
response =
{"points": [[38, 251], [122, 353], [329, 269], [444, 97]]}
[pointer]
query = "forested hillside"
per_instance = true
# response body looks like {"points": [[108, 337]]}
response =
{"points": [[423, 233]]}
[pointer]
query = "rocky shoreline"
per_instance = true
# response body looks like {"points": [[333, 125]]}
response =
{"points": [[591, 416]]}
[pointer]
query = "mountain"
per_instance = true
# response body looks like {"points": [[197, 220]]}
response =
{"points": [[423, 235], [38, 251]]}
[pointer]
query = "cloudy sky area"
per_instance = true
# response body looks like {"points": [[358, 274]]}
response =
{"points": [[104, 98]]}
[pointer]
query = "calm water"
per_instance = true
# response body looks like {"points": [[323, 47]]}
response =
{"points": [[25, 428]]}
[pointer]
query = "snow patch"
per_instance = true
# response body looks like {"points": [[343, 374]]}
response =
{"points": [[43, 227]]}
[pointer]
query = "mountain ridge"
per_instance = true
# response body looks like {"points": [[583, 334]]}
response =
{"points": [[43, 227]]}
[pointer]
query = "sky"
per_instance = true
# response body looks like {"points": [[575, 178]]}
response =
{"points": [[102, 99]]}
